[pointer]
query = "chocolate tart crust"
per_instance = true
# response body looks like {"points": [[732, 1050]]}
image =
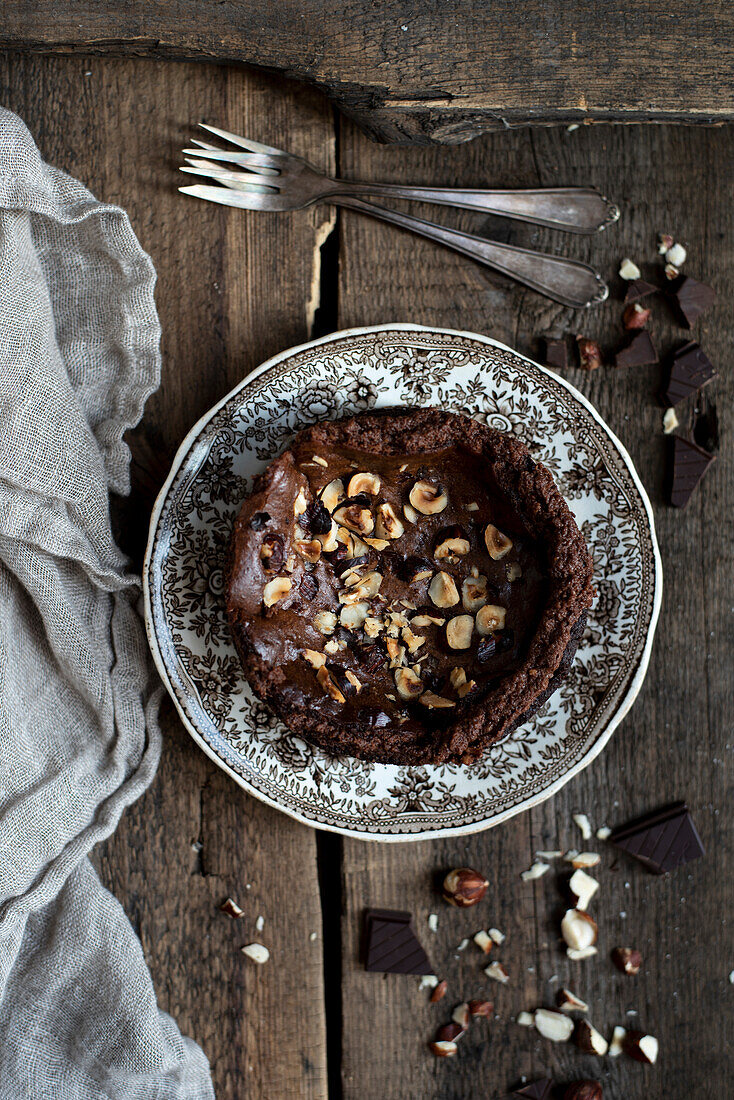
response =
{"points": [[528, 490]]}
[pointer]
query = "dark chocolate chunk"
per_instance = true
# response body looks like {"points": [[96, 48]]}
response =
{"points": [[637, 289], [662, 840], [392, 945], [316, 518], [690, 463], [371, 657], [536, 1090], [486, 648], [639, 352], [556, 354], [309, 586], [690, 370], [692, 299]]}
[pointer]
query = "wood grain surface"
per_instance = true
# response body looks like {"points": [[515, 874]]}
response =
{"points": [[234, 288], [434, 71]]}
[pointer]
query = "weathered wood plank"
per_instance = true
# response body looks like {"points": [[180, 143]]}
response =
{"points": [[675, 742], [231, 291], [436, 71]]}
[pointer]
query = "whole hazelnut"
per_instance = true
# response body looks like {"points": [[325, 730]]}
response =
{"points": [[463, 887], [584, 1090], [590, 357]]}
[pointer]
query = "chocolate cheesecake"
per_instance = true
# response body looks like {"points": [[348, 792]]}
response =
{"points": [[406, 586]]}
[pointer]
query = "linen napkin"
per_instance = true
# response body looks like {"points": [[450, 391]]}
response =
{"points": [[79, 739]]}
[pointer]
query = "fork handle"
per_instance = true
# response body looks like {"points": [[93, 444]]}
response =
{"points": [[566, 281], [575, 209]]}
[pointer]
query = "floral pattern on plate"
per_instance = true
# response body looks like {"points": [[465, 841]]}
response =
{"points": [[344, 374]]}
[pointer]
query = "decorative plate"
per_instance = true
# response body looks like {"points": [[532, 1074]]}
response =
{"points": [[345, 374]]}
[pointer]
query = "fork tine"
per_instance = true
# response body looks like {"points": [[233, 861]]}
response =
{"points": [[231, 179], [254, 162], [244, 143], [224, 196]]}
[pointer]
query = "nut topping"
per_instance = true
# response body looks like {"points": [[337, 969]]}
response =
{"points": [[412, 641], [377, 544], [310, 551], [464, 887], [276, 590], [324, 678], [497, 544], [333, 494], [329, 540], [373, 626], [363, 588], [353, 616], [408, 684], [363, 483], [443, 591], [388, 526], [314, 658], [410, 513], [355, 518], [427, 499], [435, 702], [325, 622], [481, 1008], [300, 504], [490, 618], [459, 631], [452, 549], [457, 677], [513, 571], [474, 593], [426, 620]]}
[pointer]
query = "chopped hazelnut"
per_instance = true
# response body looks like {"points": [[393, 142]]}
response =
{"points": [[427, 499], [276, 590], [490, 618], [388, 526], [442, 590], [497, 543], [363, 483], [333, 494], [474, 593], [459, 631]]}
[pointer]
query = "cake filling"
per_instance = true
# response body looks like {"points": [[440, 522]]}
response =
{"points": [[392, 592]]}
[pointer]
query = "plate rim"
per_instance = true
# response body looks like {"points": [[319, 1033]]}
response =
{"points": [[428, 834]]}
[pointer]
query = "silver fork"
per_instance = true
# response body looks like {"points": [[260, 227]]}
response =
{"points": [[275, 180]]}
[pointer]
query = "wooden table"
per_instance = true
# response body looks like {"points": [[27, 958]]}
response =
{"points": [[235, 288]]}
